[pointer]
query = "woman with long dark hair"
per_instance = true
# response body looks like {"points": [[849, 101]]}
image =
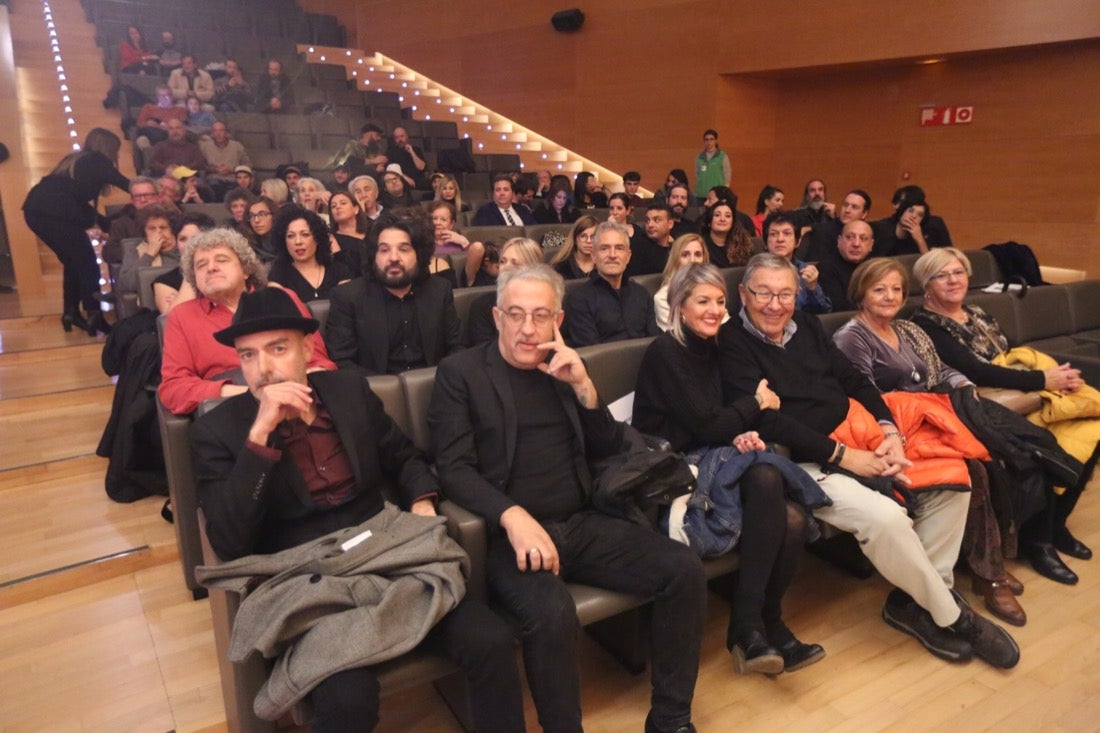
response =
{"points": [[587, 192], [348, 225], [558, 205], [60, 210], [727, 242], [768, 202], [134, 54]]}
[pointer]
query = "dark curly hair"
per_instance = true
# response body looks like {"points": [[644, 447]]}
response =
{"points": [[290, 214], [412, 220]]}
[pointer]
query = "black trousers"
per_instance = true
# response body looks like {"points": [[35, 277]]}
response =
{"points": [[602, 551], [474, 637], [69, 241]]}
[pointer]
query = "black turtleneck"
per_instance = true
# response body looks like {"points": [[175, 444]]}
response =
{"points": [[679, 395]]}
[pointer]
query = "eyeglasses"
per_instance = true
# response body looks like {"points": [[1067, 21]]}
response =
{"points": [[540, 316], [260, 215], [142, 196], [764, 297], [956, 274], [585, 237]]}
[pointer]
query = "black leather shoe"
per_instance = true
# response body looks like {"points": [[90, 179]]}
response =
{"points": [[797, 655], [1044, 558], [1067, 544], [905, 614], [753, 653]]}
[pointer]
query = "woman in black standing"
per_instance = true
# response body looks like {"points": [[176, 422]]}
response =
{"points": [[60, 210]]}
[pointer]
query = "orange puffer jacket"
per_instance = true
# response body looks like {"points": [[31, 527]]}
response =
{"points": [[937, 441]]}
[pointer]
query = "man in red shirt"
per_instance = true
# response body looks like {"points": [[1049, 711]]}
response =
{"points": [[220, 266]]}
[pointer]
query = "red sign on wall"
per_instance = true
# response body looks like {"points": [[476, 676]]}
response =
{"points": [[953, 115]]}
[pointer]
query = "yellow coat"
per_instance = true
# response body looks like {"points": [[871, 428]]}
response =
{"points": [[1073, 418]]}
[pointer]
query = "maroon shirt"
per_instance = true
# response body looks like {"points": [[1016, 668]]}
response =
{"points": [[320, 456]]}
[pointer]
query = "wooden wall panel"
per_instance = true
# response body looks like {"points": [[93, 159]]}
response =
{"points": [[787, 34], [1028, 158], [834, 92]]}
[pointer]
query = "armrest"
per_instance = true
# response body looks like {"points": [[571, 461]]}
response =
{"points": [[240, 682], [470, 532]]}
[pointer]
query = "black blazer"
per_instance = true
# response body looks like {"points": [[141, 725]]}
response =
{"points": [[473, 423], [253, 504], [356, 332]]}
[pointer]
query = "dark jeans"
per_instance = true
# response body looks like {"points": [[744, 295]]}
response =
{"points": [[69, 241], [608, 553], [473, 636]]}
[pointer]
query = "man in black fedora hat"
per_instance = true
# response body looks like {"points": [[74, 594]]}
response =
{"points": [[302, 455]]}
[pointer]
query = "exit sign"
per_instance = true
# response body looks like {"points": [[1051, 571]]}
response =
{"points": [[953, 115]]}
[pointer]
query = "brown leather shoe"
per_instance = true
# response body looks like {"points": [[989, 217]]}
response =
{"points": [[1000, 600], [1014, 583]]}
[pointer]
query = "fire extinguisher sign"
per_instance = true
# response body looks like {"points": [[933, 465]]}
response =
{"points": [[952, 115]]}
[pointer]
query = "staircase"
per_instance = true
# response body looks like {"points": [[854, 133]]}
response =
{"points": [[425, 99]]}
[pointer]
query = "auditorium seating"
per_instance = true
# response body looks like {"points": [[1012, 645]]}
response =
{"points": [[612, 618]]}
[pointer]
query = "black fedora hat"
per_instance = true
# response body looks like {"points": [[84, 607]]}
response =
{"points": [[265, 309]]}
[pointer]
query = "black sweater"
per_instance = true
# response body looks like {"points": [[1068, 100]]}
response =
{"points": [[679, 395], [812, 377], [978, 371], [70, 198]]}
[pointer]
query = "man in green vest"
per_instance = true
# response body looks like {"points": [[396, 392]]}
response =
{"points": [[712, 167]]}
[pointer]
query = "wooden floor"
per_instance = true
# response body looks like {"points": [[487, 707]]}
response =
{"points": [[98, 633]]}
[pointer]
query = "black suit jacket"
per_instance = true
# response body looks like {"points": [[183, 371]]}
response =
{"points": [[253, 504], [473, 424], [357, 335], [489, 215]]}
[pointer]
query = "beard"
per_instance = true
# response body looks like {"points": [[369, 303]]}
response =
{"points": [[395, 280]]}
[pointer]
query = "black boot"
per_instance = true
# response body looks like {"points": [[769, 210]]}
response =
{"points": [[72, 318]]}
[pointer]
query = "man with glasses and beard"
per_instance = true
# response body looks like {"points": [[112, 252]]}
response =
{"points": [[397, 317]]}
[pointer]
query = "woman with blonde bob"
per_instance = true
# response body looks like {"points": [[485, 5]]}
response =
{"points": [[970, 340], [685, 250], [679, 398]]}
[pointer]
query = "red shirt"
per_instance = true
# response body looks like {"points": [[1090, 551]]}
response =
{"points": [[192, 358]]}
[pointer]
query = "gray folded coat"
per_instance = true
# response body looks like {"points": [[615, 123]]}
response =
{"points": [[322, 610]]}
